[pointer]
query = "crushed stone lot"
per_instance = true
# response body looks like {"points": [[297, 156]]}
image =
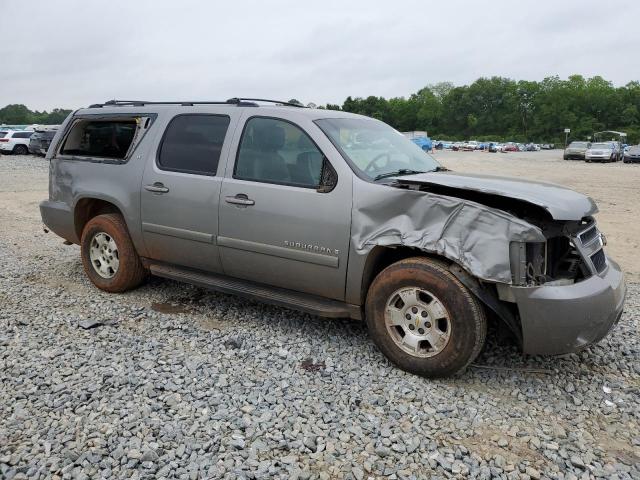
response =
{"points": [[172, 381]]}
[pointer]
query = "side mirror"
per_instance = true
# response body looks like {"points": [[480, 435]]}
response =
{"points": [[328, 177]]}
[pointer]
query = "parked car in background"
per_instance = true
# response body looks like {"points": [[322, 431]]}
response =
{"points": [[15, 142], [632, 154], [576, 150], [510, 147], [424, 143], [421, 139], [40, 141], [602, 152]]}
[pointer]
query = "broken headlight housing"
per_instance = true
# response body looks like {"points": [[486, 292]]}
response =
{"points": [[570, 254]]}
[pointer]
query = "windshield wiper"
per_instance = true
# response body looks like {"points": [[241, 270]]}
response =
{"points": [[408, 171], [395, 173]]}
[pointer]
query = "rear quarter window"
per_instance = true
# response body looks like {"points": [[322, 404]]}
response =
{"points": [[111, 138]]}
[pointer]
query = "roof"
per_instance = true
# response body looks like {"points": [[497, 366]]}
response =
{"points": [[140, 107]]}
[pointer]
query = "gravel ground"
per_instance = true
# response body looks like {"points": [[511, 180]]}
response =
{"points": [[172, 381]]}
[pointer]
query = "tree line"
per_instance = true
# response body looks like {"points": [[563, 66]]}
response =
{"points": [[18, 114], [495, 108], [503, 109]]}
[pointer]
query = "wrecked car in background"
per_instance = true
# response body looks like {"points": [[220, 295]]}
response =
{"points": [[632, 154], [576, 150], [334, 214], [602, 152]]}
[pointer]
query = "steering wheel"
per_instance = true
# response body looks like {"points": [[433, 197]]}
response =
{"points": [[370, 168]]}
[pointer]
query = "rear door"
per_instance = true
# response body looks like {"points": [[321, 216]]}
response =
{"points": [[275, 227], [181, 188]]}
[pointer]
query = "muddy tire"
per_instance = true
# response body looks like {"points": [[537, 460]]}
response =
{"points": [[423, 319], [108, 256]]}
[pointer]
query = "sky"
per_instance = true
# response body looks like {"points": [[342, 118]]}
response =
{"points": [[71, 53]]}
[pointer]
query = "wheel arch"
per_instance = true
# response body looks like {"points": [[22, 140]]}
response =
{"points": [[380, 257], [87, 208]]}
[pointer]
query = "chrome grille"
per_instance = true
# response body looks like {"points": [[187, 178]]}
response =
{"points": [[587, 236], [589, 243], [599, 260]]}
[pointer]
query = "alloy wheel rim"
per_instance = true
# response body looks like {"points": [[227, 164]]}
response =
{"points": [[417, 322], [104, 256]]}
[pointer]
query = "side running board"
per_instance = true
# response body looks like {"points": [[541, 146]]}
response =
{"points": [[311, 304]]}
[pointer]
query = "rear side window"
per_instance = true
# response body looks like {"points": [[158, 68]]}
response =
{"points": [[192, 144], [22, 134], [100, 138]]}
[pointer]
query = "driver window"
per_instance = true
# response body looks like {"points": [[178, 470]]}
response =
{"points": [[275, 151]]}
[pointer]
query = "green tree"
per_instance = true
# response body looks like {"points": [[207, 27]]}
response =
{"points": [[16, 114]]}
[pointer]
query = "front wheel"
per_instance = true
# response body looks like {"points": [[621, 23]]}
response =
{"points": [[108, 256], [423, 319]]}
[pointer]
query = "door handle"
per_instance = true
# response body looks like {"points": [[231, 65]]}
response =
{"points": [[240, 199], [157, 187]]}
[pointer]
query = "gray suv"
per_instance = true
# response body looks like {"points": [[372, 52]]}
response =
{"points": [[334, 214]]}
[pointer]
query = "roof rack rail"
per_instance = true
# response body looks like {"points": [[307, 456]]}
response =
{"points": [[240, 102], [278, 102]]}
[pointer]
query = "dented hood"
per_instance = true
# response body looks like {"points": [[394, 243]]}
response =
{"points": [[561, 203]]}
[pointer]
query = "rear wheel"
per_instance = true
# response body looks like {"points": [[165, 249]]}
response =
{"points": [[20, 150], [108, 255], [423, 319]]}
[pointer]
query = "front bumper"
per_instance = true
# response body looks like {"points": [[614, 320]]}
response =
{"points": [[565, 319], [574, 155], [600, 158]]}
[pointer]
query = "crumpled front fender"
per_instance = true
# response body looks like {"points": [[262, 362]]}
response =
{"points": [[473, 235]]}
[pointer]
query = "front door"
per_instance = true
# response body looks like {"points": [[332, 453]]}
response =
{"points": [[275, 227], [180, 192]]}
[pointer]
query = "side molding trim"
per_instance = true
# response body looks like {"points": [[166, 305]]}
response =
{"points": [[282, 252], [178, 232]]}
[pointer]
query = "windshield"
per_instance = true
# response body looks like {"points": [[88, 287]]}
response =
{"points": [[376, 149], [578, 145], [601, 145]]}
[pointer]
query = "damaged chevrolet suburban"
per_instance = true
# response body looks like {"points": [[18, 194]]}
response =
{"points": [[334, 214]]}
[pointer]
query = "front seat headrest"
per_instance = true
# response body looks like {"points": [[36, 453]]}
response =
{"points": [[268, 137]]}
